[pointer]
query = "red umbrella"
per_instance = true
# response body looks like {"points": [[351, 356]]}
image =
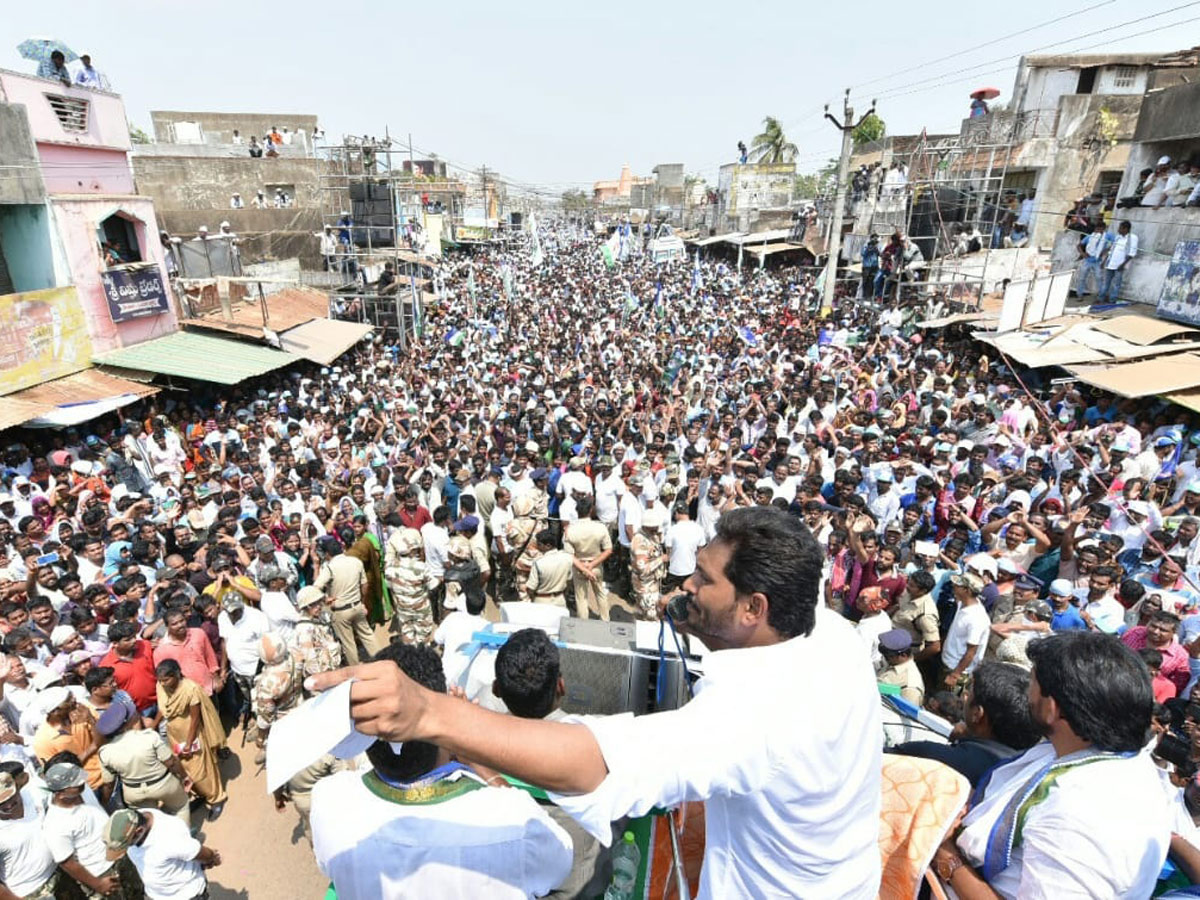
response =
{"points": [[987, 93]]}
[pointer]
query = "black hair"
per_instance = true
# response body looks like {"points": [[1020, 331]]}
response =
{"points": [[421, 663], [583, 506], [923, 582], [775, 554], [441, 515], [16, 637], [119, 631], [1151, 657], [1101, 687], [1130, 591], [168, 668], [95, 677], [527, 672], [1002, 691]]}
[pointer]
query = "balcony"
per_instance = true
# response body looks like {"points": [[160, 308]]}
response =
{"points": [[1004, 127], [71, 116]]}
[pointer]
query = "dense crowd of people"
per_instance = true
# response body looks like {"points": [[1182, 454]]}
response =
{"points": [[900, 506]]}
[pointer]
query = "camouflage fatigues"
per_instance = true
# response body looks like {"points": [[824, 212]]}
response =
{"points": [[646, 571], [314, 647], [408, 582], [519, 533], [278, 689]]}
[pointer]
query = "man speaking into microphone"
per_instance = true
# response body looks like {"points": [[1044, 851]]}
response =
{"points": [[782, 740]]}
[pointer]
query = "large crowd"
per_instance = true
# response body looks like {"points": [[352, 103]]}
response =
{"points": [[577, 434]]}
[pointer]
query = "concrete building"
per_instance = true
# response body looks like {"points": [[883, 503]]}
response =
{"points": [[1069, 126], [750, 192], [194, 168], [1168, 125], [84, 233], [619, 192]]}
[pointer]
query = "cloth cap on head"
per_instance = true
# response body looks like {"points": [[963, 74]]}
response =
{"points": [[885, 476], [537, 474], [1140, 507], [1165, 441], [8, 787], [264, 543], [1004, 564], [1019, 498], [1164, 160], [81, 467], [53, 697], [982, 562], [895, 641], [407, 541], [272, 648], [1029, 583], [1193, 487], [606, 461], [531, 446], [60, 634], [652, 518], [1119, 446], [1061, 587], [267, 574], [972, 582], [576, 462], [120, 828], [64, 775], [1040, 610], [44, 678], [637, 480], [467, 523], [522, 506], [463, 475], [232, 601], [308, 595]]}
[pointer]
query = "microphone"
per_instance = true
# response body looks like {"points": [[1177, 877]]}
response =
{"points": [[677, 608]]}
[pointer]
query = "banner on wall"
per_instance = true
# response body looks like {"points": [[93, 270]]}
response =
{"points": [[1180, 296], [43, 335], [133, 293]]}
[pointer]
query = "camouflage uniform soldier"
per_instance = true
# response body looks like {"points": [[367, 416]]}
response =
{"points": [[541, 499], [519, 534], [460, 550], [278, 688], [647, 564], [312, 643], [404, 567]]}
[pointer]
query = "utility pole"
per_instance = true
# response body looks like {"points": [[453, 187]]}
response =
{"points": [[483, 183], [846, 127]]}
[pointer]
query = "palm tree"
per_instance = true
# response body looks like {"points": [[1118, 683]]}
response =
{"points": [[772, 146]]}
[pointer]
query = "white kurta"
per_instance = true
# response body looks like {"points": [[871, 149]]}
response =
{"points": [[1103, 830], [789, 768]]}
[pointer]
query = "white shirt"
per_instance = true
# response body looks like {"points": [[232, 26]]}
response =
{"points": [[492, 842], [608, 497], [437, 549], [1103, 831], [281, 614], [1124, 248], [78, 831], [166, 859], [971, 626], [242, 639], [791, 801], [630, 517], [683, 540], [25, 860], [869, 629]]}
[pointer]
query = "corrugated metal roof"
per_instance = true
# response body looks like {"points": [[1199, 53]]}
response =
{"points": [[323, 340], [204, 357], [88, 386], [285, 309]]}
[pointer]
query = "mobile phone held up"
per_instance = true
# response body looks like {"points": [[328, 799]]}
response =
{"points": [[48, 559]]}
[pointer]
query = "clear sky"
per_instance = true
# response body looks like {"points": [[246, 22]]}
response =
{"points": [[562, 94]]}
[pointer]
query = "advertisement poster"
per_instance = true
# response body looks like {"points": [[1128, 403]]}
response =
{"points": [[1180, 297], [133, 293], [43, 335]]}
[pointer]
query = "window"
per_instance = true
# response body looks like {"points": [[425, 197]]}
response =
{"points": [[1125, 76], [118, 242], [72, 112], [1087, 80], [1108, 183]]}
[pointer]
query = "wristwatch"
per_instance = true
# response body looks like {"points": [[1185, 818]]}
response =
{"points": [[946, 865]]}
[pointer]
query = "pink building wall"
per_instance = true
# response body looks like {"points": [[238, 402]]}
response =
{"points": [[85, 170]]}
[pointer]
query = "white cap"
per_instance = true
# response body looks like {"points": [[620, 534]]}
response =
{"points": [[982, 562], [60, 634], [1061, 587], [1164, 160]]}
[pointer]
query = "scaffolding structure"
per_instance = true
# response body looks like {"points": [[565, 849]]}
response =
{"points": [[384, 206]]}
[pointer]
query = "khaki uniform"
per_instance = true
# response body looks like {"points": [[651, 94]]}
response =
{"points": [[139, 759], [549, 576], [646, 569], [541, 507], [908, 677], [585, 540], [301, 785], [919, 618], [313, 645], [342, 578], [520, 532], [407, 581], [277, 691]]}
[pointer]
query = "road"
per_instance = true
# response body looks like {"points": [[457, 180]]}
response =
{"points": [[264, 854]]}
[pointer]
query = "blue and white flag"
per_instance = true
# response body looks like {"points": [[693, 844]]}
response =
{"points": [[697, 278], [748, 335]]}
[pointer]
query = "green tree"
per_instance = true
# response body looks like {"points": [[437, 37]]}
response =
{"points": [[871, 128], [815, 184], [772, 146], [576, 201], [136, 135]]}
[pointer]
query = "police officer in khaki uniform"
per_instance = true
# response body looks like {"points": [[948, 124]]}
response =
{"points": [[551, 571], [149, 772], [899, 669], [591, 544], [541, 499], [519, 536]]}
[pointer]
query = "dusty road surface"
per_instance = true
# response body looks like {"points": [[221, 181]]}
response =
{"points": [[264, 855]]}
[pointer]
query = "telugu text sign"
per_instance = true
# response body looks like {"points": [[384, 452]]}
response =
{"points": [[133, 293], [43, 335]]}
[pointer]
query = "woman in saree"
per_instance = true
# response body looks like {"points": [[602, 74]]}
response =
{"points": [[367, 550], [194, 732]]}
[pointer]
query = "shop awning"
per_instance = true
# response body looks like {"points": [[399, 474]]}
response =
{"points": [[205, 357], [1146, 378], [323, 340], [70, 400], [779, 247], [714, 239]]}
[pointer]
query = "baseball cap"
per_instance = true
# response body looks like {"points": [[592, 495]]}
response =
{"points": [[231, 601], [1040, 610], [119, 829], [972, 582], [264, 543], [1061, 587]]}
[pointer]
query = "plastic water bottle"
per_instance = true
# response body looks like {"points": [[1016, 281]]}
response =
{"points": [[626, 859]]}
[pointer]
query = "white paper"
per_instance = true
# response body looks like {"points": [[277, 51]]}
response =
{"points": [[316, 727]]}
